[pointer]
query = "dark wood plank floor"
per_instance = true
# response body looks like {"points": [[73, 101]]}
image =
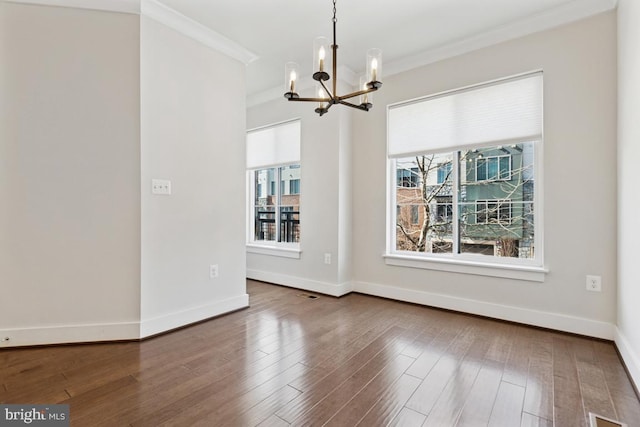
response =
{"points": [[356, 360]]}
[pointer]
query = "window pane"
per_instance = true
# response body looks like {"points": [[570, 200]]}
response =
{"points": [[505, 167], [265, 224], [276, 207], [481, 169], [415, 214], [496, 215], [290, 224], [288, 175], [294, 186], [408, 177], [271, 180], [423, 224], [443, 172], [492, 168], [264, 194]]}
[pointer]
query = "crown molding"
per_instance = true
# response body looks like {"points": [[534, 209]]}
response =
{"points": [[195, 30], [162, 14], [565, 14], [123, 6], [562, 15]]}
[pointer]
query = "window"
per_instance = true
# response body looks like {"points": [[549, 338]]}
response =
{"points": [[273, 164], [415, 214], [493, 212], [294, 186], [444, 170], [276, 215], [407, 178], [475, 152], [493, 168]]}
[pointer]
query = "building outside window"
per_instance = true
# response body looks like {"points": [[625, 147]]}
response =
{"points": [[407, 178], [273, 165], [493, 168], [474, 195]]}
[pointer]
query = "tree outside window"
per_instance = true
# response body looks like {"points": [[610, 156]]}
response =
{"points": [[476, 201]]}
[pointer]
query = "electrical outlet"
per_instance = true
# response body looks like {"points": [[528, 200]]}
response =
{"points": [[594, 283], [213, 271], [327, 258]]}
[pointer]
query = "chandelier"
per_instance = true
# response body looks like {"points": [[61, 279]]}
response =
{"points": [[326, 97]]}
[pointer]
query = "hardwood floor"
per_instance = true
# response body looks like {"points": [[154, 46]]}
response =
{"points": [[357, 360]]}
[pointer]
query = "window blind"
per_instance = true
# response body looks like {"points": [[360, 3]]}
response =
{"points": [[498, 112], [274, 145]]}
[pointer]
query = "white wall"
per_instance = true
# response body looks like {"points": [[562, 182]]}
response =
{"points": [[628, 333], [69, 175], [325, 200], [94, 105], [579, 63], [193, 127]]}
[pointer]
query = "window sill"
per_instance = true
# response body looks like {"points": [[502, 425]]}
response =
{"points": [[518, 272], [272, 250]]}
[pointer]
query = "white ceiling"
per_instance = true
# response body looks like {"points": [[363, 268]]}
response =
{"points": [[278, 31]]}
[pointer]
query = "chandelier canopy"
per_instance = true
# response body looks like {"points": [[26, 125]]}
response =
{"points": [[327, 97]]}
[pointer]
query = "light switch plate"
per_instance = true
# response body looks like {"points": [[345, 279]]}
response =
{"points": [[161, 187]]}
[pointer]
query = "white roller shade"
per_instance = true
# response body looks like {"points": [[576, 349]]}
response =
{"points": [[275, 145], [497, 112]]}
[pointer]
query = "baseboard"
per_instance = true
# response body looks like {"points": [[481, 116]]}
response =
{"points": [[68, 334], [169, 321], [336, 290], [630, 358], [560, 322]]}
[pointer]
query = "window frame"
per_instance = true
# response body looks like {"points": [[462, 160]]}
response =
{"points": [[468, 263], [268, 247], [271, 247]]}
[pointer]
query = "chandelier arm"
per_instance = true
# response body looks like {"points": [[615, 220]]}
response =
{"points": [[311, 99], [357, 107], [327, 90], [354, 94]]}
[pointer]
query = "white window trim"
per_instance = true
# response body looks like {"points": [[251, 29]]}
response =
{"points": [[284, 250], [529, 270], [518, 272]]}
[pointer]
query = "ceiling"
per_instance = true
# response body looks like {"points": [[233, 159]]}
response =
{"points": [[278, 31]]}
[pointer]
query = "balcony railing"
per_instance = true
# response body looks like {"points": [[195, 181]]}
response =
{"points": [[266, 226]]}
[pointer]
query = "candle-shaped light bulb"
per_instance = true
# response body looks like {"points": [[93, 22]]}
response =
{"points": [[321, 57], [366, 98], [292, 80], [374, 69], [290, 77]]}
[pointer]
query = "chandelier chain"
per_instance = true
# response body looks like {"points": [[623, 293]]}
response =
{"points": [[334, 12]]}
